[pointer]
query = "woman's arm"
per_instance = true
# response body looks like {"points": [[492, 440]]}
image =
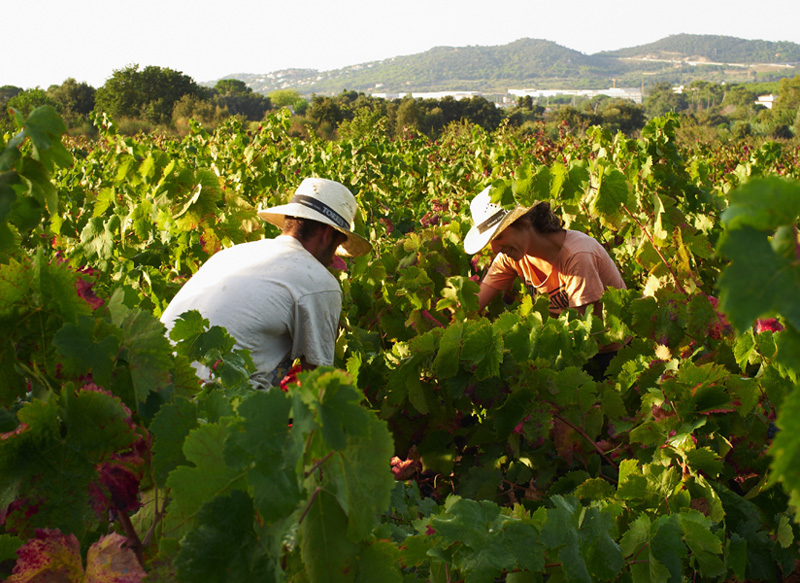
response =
{"points": [[486, 294]]}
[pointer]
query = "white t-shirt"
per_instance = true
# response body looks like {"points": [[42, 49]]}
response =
{"points": [[274, 297]]}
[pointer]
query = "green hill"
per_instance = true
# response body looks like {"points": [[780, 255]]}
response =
{"points": [[534, 63], [716, 48]]}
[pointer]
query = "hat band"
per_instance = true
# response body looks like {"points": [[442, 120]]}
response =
{"points": [[322, 209], [492, 221]]}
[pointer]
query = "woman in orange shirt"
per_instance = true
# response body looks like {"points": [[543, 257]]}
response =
{"points": [[569, 266]]}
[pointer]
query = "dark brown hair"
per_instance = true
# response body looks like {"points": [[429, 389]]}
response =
{"points": [[541, 218], [305, 229]]}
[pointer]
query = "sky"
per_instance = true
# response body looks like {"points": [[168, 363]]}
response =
{"points": [[47, 41]]}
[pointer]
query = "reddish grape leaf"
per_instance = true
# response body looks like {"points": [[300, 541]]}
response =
{"points": [[51, 557], [108, 561]]}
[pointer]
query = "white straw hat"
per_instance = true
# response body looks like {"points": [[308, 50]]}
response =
{"points": [[327, 202], [489, 221]]}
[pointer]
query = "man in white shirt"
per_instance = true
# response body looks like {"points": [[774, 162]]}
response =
{"points": [[276, 297]]}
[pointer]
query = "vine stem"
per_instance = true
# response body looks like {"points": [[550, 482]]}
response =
{"points": [[427, 315], [159, 515], [657, 250], [317, 465], [583, 434], [317, 490], [133, 539]]}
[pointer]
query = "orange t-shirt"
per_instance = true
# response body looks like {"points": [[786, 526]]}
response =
{"points": [[581, 273]]}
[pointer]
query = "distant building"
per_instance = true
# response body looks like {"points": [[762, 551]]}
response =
{"points": [[766, 100], [457, 95], [634, 95]]}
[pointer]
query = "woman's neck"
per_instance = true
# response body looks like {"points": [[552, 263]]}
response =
{"points": [[546, 246]]}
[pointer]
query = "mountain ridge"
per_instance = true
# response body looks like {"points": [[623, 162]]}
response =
{"points": [[530, 62]]}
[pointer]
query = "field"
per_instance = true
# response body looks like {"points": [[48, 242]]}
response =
{"points": [[446, 445]]}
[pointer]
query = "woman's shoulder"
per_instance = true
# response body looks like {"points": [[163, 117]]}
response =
{"points": [[577, 241]]}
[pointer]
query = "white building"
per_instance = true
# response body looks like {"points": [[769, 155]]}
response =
{"points": [[634, 95], [766, 100]]}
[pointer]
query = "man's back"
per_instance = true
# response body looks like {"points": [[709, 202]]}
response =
{"points": [[273, 296]]}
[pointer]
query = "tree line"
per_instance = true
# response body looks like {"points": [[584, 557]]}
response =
{"points": [[156, 98]]}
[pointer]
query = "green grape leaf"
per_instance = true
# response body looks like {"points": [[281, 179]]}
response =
{"points": [[147, 351], [785, 449], [480, 530], [223, 547], [757, 281], [8, 547], [260, 446], [763, 203], [208, 477], [169, 429], [636, 538], [446, 362], [483, 348], [82, 352], [339, 406], [667, 547], [379, 561], [327, 555], [460, 296], [704, 459], [516, 335], [52, 458], [603, 555], [415, 548], [26, 213], [560, 532], [612, 196], [99, 237], [41, 187], [45, 127], [736, 554], [744, 349], [362, 478], [203, 202], [195, 340], [704, 545], [594, 489]]}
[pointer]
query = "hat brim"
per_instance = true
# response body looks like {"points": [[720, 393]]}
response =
{"points": [[477, 240], [355, 245]]}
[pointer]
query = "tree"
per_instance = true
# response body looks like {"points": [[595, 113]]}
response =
{"points": [[232, 86], [326, 110], [203, 111], [29, 99], [23, 101], [150, 93], [239, 99], [662, 99], [622, 115], [408, 116], [366, 123], [75, 100], [574, 119], [525, 111], [284, 97], [482, 112], [788, 94], [7, 92]]}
